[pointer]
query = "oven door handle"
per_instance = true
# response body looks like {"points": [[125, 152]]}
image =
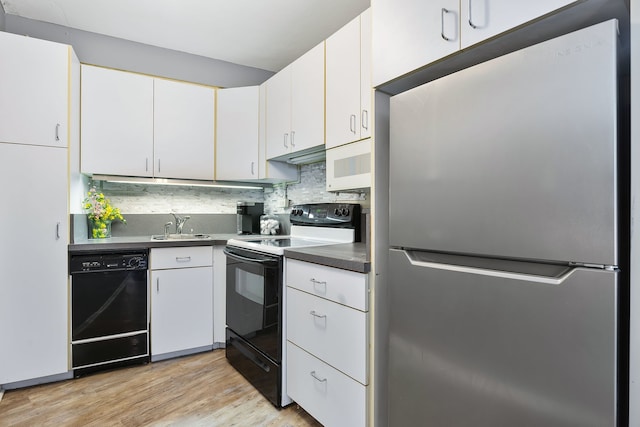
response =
{"points": [[262, 261]]}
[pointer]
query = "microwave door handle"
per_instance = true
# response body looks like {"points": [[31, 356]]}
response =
{"points": [[247, 259]]}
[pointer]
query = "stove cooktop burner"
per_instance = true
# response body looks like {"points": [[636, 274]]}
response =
{"points": [[315, 224]]}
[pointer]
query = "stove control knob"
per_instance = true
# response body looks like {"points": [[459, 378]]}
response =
{"points": [[344, 212], [337, 212]]}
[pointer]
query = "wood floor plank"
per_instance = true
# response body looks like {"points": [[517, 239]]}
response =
{"points": [[198, 390]]}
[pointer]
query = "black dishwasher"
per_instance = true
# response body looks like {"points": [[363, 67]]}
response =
{"points": [[109, 310]]}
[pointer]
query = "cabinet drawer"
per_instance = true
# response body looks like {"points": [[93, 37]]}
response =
{"points": [[332, 332], [328, 395], [342, 286], [188, 256]]}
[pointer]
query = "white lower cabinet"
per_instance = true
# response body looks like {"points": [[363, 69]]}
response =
{"points": [[181, 300], [327, 329], [333, 332], [33, 297], [327, 394]]}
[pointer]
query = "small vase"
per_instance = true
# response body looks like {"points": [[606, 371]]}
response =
{"points": [[99, 229]]}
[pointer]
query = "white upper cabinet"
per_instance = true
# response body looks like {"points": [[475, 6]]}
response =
{"points": [[346, 120], [408, 34], [270, 170], [34, 91], [116, 122], [481, 19], [295, 106], [137, 125], [237, 133], [184, 116], [278, 113], [307, 100]]}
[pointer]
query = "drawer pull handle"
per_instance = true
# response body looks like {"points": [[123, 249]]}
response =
{"points": [[314, 314], [318, 282], [317, 378], [183, 258]]}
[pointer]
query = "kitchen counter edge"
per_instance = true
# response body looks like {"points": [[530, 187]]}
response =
{"points": [[145, 242], [346, 256]]}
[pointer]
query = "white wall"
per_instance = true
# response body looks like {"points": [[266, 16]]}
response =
{"points": [[98, 49], [634, 374]]}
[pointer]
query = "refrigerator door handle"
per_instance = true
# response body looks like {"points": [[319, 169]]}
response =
{"points": [[549, 280]]}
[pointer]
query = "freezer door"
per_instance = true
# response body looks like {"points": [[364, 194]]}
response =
{"points": [[503, 346], [513, 157]]}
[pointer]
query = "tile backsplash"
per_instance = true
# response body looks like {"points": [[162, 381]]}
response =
{"points": [[148, 199], [310, 189]]}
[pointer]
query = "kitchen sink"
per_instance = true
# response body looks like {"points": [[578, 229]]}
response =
{"points": [[181, 237]]}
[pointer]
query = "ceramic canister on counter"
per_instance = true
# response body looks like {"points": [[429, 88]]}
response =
{"points": [[269, 224]]}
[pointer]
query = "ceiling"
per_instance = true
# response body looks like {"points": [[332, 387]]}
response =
{"points": [[266, 34]]}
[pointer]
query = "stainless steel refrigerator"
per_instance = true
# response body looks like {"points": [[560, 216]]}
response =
{"points": [[504, 234]]}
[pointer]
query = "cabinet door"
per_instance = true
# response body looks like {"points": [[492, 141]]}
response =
{"points": [[307, 100], [278, 114], [270, 170], [33, 91], [365, 75], [482, 19], [327, 394], [116, 122], [408, 34], [33, 301], [335, 333], [183, 130], [343, 85], [181, 309], [237, 133]]}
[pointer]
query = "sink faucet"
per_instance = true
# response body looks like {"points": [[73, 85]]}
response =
{"points": [[180, 220]]}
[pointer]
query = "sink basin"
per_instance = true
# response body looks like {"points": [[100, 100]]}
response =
{"points": [[181, 237]]}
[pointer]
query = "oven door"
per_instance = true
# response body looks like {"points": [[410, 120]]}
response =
{"points": [[254, 287]]}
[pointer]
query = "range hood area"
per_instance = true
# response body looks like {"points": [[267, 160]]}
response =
{"points": [[177, 182], [303, 157]]}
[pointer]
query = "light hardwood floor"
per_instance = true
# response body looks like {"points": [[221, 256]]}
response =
{"points": [[199, 390]]}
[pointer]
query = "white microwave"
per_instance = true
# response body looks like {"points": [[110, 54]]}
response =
{"points": [[349, 166]]}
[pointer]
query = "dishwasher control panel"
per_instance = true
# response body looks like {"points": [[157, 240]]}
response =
{"points": [[79, 263]]}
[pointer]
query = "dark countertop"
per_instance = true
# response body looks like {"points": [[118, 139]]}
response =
{"points": [[347, 256], [145, 242]]}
